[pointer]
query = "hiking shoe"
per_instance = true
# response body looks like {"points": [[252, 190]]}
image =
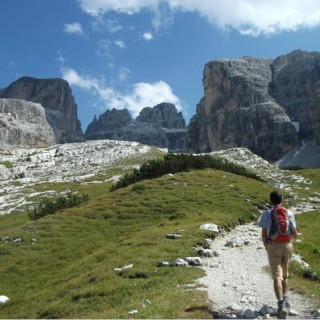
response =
{"points": [[287, 304], [282, 313]]}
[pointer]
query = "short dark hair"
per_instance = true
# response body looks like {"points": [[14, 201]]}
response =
{"points": [[275, 197]]}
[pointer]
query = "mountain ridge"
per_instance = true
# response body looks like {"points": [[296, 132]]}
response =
{"points": [[270, 106]]}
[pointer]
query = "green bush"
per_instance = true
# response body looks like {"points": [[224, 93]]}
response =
{"points": [[139, 188], [173, 163], [49, 206]]}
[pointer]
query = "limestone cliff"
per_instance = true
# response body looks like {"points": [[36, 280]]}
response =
{"points": [[161, 126], [268, 106], [56, 97], [23, 123]]}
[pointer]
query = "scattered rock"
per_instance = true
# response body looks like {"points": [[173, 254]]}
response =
{"points": [[237, 242], [207, 243], [293, 312], [297, 258], [180, 263], [163, 264], [205, 252], [210, 227], [266, 309], [247, 314], [4, 299], [173, 236], [316, 315], [193, 261], [133, 312], [147, 301], [129, 266]]}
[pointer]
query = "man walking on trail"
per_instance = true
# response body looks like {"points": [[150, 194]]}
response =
{"points": [[278, 230]]}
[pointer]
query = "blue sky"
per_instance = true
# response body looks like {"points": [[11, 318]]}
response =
{"points": [[138, 53]]}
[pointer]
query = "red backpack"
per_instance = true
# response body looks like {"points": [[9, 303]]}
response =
{"points": [[281, 227]]}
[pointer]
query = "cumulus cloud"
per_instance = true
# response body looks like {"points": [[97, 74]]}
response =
{"points": [[248, 17], [84, 82], [147, 36], [140, 95], [73, 28]]}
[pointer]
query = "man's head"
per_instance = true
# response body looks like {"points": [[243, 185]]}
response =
{"points": [[276, 197]]}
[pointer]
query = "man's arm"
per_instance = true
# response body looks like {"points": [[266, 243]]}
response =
{"points": [[264, 237], [295, 234]]}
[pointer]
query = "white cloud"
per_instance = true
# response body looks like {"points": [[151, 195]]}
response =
{"points": [[60, 58], [141, 95], [98, 7], [84, 82], [147, 36], [120, 44], [73, 28], [248, 17]]}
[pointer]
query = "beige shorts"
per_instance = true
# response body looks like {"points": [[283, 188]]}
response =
{"points": [[279, 254]]}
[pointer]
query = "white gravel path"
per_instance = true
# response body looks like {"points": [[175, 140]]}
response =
{"points": [[237, 278]]}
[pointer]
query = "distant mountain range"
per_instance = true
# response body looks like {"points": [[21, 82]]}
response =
{"points": [[270, 106]]}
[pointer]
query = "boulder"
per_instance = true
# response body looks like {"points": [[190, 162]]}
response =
{"points": [[210, 227]]}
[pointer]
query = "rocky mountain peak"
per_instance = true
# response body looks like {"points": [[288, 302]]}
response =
{"points": [[164, 114], [160, 126], [56, 97], [268, 106]]}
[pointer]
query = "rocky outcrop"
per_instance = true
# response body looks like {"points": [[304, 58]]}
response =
{"points": [[167, 119], [268, 106], [164, 114], [56, 97], [160, 126], [81, 162], [108, 124], [23, 123]]}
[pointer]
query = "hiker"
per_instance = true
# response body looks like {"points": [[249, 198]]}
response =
{"points": [[278, 230]]}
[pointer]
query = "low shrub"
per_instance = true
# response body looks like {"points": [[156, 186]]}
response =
{"points": [[49, 206], [173, 163]]}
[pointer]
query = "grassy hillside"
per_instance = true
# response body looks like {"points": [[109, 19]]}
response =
{"points": [[64, 265], [309, 247]]}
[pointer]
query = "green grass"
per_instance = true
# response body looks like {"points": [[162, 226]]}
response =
{"points": [[309, 248], [68, 272], [7, 164]]}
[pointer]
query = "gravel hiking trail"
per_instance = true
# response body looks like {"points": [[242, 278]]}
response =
{"points": [[237, 277]]}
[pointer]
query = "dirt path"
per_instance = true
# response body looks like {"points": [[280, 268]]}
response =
{"points": [[236, 279]]}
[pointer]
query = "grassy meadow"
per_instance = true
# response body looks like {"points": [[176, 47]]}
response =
{"points": [[64, 267]]}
